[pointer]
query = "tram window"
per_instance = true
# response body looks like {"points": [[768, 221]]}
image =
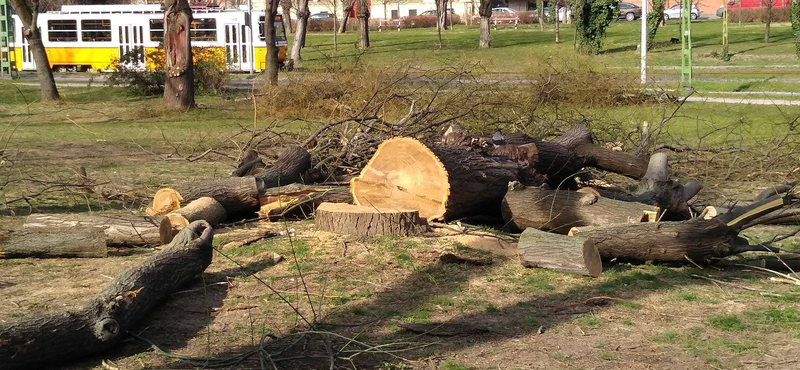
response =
{"points": [[156, 30], [62, 30], [96, 30], [280, 32], [204, 29]]}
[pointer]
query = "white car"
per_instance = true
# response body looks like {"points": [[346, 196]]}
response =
{"points": [[674, 12], [503, 13]]}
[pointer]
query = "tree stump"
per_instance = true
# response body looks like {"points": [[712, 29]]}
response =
{"points": [[439, 182], [573, 255], [298, 200], [206, 209], [55, 338], [368, 221], [561, 210], [238, 195]]}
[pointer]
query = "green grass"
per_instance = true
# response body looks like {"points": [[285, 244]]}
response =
{"points": [[726, 323]]}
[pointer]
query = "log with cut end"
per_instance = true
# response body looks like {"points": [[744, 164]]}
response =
{"points": [[573, 255], [561, 210], [368, 221], [52, 339], [238, 195], [289, 168], [440, 182], [207, 209], [298, 200]]}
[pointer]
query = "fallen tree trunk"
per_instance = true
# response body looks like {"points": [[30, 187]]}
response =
{"points": [[787, 262], [561, 210], [697, 239], [440, 182], [578, 140], [206, 209], [368, 221], [298, 200], [238, 195], [289, 168], [250, 168], [54, 338], [573, 255]]}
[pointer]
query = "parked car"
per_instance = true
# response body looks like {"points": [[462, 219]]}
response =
{"points": [[629, 12], [674, 12], [722, 7], [434, 13], [321, 16], [503, 13]]}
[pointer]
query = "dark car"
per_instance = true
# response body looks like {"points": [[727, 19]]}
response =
{"points": [[629, 12]]}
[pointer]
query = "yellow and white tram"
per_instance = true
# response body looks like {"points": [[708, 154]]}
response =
{"points": [[81, 37]]}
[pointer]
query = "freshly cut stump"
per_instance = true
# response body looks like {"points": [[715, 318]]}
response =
{"points": [[165, 201], [574, 255], [440, 182], [368, 221], [297, 200], [207, 209]]}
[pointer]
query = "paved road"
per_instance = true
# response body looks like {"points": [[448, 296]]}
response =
{"points": [[743, 100]]}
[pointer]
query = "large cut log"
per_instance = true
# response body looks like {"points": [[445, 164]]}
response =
{"points": [[289, 168], [561, 210], [578, 140], [368, 221], [574, 255], [697, 239], [55, 338], [238, 195], [440, 182], [78, 235], [298, 200], [206, 209]]}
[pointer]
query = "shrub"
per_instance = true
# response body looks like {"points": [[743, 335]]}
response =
{"points": [[795, 17], [758, 15], [138, 82], [528, 17], [592, 17]]}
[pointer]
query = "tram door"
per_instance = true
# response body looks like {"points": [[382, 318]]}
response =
{"points": [[131, 43], [236, 53]]}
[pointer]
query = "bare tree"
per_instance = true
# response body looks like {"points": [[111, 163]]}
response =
{"points": [[269, 35], [485, 11], [300, 35], [29, 14], [179, 81], [286, 7], [768, 21], [362, 12], [347, 8]]}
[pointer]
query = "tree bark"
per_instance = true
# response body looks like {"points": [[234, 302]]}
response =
{"points": [[250, 168], [573, 255], [561, 210], [540, 13], [362, 12], [441, 182], [485, 12], [558, 28], [206, 209], [238, 195], [347, 9], [368, 220], [286, 6], [768, 21], [271, 38], [29, 17], [292, 163], [55, 338], [300, 35], [300, 200], [579, 140], [179, 82]]}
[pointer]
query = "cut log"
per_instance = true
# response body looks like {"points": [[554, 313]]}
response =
{"points": [[578, 140], [440, 182], [561, 210], [238, 195], [55, 338], [206, 209], [711, 212], [165, 201], [573, 255], [289, 168], [249, 168], [298, 200], [775, 190], [368, 221]]}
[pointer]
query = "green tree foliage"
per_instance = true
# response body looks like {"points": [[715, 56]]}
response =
{"points": [[795, 16], [654, 19], [592, 17]]}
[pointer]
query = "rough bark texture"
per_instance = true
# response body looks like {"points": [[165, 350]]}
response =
{"points": [[55, 338], [206, 209], [29, 17], [574, 255], [249, 168], [485, 40], [272, 61], [179, 82], [768, 22], [238, 195], [347, 8], [300, 200], [562, 210], [289, 168], [578, 140], [362, 13], [368, 221], [300, 36], [440, 182]]}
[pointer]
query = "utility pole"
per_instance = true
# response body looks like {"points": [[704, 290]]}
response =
{"points": [[686, 45], [643, 63]]}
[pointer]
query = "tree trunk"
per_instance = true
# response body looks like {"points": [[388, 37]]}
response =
{"points": [[300, 200], [238, 195], [440, 182], [368, 220], [29, 17], [573, 255], [768, 21], [289, 168], [300, 35], [347, 8], [206, 209], [362, 12], [286, 7], [579, 140], [561, 210], [179, 81], [271, 38], [558, 26], [250, 168], [540, 13], [55, 338], [485, 11]]}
